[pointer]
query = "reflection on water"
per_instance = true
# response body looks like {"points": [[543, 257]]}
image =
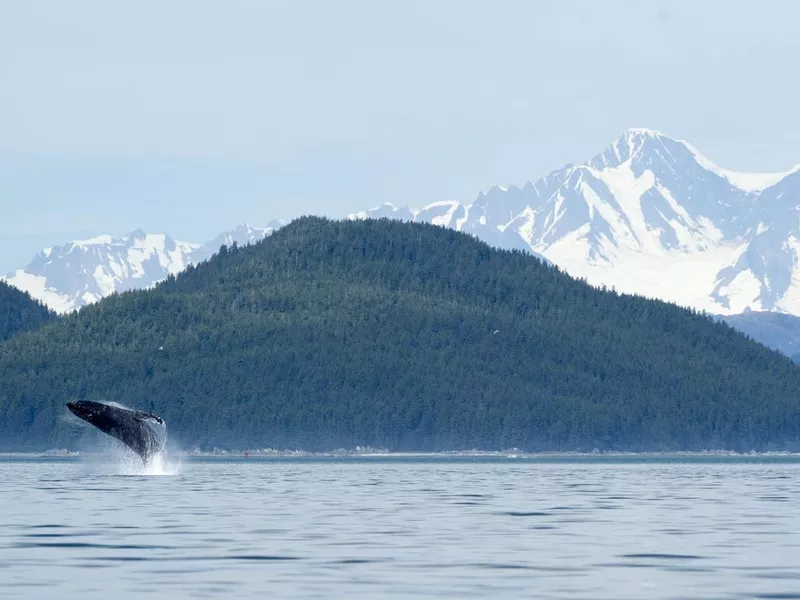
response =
{"points": [[405, 528]]}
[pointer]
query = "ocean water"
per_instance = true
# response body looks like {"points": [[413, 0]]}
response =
{"points": [[424, 527]]}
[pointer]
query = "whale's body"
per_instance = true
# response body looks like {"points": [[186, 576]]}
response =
{"points": [[142, 432]]}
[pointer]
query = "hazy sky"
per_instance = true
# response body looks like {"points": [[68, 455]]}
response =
{"points": [[192, 116]]}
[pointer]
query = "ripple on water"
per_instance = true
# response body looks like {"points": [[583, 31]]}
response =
{"points": [[264, 557], [776, 575], [338, 529], [658, 556], [90, 545], [532, 513], [58, 535]]}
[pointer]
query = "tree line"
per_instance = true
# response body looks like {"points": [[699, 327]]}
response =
{"points": [[19, 312], [406, 336]]}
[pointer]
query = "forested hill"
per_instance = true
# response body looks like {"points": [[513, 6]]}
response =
{"points": [[19, 312], [406, 336]]}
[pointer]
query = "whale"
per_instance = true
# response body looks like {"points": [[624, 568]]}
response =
{"points": [[142, 432]]}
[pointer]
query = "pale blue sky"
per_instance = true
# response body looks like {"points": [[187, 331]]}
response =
{"points": [[192, 116]]}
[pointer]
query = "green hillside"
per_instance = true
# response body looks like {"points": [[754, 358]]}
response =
{"points": [[19, 312], [407, 336]]}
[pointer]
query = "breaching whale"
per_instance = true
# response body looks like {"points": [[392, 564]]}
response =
{"points": [[144, 433]]}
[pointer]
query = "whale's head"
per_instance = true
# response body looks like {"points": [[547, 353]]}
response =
{"points": [[86, 409]]}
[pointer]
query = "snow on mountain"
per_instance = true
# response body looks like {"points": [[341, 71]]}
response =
{"points": [[450, 214], [649, 215], [244, 234], [80, 272], [748, 182]]}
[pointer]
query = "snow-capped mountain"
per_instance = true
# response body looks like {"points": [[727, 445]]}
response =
{"points": [[649, 215], [77, 273], [244, 234], [81, 272]]}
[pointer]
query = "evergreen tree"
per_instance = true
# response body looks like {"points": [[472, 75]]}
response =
{"points": [[408, 336], [19, 312]]}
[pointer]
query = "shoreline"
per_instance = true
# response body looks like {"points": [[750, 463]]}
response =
{"points": [[502, 456]]}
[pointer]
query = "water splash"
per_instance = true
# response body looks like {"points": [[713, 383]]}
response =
{"points": [[113, 453], [106, 455], [159, 464]]}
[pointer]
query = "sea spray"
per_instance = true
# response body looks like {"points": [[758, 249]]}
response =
{"points": [[143, 433], [159, 464], [105, 455]]}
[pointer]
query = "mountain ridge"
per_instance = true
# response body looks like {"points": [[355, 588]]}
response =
{"points": [[408, 336], [648, 214], [19, 312], [80, 272]]}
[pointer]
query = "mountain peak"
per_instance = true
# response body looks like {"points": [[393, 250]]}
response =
{"points": [[634, 144], [643, 132], [99, 240], [644, 215]]}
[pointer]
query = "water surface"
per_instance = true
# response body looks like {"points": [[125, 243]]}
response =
{"points": [[406, 528]]}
